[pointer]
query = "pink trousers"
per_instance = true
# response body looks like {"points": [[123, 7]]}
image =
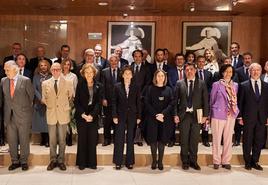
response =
{"points": [[225, 129]]}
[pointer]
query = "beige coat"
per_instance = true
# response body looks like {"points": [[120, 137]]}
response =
{"points": [[58, 106]]}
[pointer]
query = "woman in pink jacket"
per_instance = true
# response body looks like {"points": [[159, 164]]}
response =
{"points": [[224, 110]]}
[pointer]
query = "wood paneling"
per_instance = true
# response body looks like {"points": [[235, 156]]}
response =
{"points": [[264, 40], [246, 30]]}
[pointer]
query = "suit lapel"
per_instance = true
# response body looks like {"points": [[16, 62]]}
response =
{"points": [[61, 85], [19, 81], [252, 90]]}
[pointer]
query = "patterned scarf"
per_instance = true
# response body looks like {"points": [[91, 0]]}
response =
{"points": [[231, 96]]}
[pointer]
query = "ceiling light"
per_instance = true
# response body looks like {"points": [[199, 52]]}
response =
{"points": [[102, 3], [192, 7], [131, 7]]}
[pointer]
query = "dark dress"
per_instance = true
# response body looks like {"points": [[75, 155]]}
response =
{"points": [[127, 109], [87, 132], [159, 100]]}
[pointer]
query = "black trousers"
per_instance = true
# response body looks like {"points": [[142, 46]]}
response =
{"points": [[108, 123], [253, 141], [86, 144], [119, 141], [237, 132], [189, 137]]}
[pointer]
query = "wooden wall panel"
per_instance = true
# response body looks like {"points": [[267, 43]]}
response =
{"points": [[264, 40], [246, 30]]}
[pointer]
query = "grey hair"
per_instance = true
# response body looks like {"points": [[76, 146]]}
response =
{"points": [[114, 56], [254, 65], [91, 51], [12, 64]]}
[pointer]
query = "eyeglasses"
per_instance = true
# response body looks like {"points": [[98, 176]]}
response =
{"points": [[56, 70]]}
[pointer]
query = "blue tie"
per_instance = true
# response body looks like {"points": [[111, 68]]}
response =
{"points": [[190, 95], [257, 92]]}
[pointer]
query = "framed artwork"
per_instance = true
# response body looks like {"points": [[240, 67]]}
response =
{"points": [[198, 36], [131, 36]]}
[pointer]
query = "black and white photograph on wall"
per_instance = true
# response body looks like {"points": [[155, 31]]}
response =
{"points": [[199, 36], [131, 36]]}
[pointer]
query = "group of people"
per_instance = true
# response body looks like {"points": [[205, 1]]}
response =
{"points": [[197, 93]]}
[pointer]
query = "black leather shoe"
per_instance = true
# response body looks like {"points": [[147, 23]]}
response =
{"points": [[185, 166], [81, 167], [227, 166], [62, 166], [216, 166], [170, 144], [24, 167], [256, 166], [160, 166], [236, 144], [106, 143], [154, 164], [139, 143], [130, 167], [195, 166], [206, 144], [13, 166], [247, 166], [51, 166], [118, 167]]}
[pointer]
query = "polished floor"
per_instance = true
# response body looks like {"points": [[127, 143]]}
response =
{"points": [[107, 175]]}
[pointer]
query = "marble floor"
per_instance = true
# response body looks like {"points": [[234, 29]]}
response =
{"points": [[107, 175]]}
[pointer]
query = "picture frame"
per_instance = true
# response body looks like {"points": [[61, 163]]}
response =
{"points": [[198, 36], [130, 36]]}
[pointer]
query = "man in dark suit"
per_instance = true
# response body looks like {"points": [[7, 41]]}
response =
{"points": [[21, 62], [253, 103], [159, 62], [18, 96], [237, 59], [109, 77], [99, 60], [40, 55], [64, 54], [176, 73], [122, 62], [207, 76], [264, 76], [16, 49], [192, 98], [242, 75], [141, 78]]}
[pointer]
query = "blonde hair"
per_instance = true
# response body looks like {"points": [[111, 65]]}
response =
{"points": [[87, 66], [37, 70], [65, 61], [155, 74], [213, 56]]}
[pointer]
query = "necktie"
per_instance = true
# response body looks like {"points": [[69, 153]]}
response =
{"points": [[234, 62], [201, 75], [137, 69], [12, 88], [257, 92], [159, 66], [127, 90], [113, 75], [180, 74], [20, 72], [190, 95], [56, 86], [247, 72]]}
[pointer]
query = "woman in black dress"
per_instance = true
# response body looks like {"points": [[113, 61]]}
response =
{"points": [[87, 103], [126, 114], [159, 108]]}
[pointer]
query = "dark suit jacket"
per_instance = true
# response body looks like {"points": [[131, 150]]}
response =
{"points": [[143, 78], [200, 98], [173, 76], [126, 108], [27, 73], [123, 62], [239, 62], [104, 63], [253, 110], [34, 63], [107, 82], [241, 75], [208, 78], [81, 101]]}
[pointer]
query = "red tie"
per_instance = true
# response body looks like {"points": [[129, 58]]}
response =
{"points": [[12, 88]]}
